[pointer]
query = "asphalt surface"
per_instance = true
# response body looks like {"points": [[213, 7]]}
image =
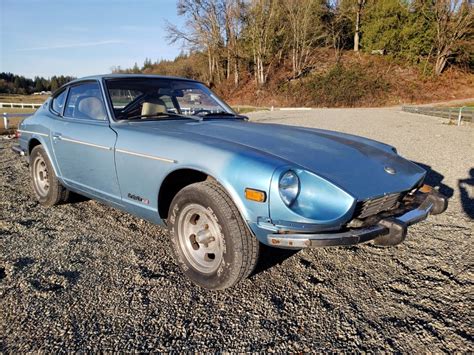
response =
{"points": [[84, 276]]}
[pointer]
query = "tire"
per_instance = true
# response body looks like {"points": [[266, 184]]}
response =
{"points": [[211, 242], [46, 187]]}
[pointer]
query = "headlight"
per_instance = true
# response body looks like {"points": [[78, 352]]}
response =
{"points": [[289, 187]]}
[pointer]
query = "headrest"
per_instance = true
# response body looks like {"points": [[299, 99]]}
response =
{"points": [[153, 106], [92, 107]]}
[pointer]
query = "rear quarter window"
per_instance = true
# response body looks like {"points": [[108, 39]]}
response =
{"points": [[58, 102]]}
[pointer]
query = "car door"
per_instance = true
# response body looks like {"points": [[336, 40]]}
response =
{"points": [[83, 143]]}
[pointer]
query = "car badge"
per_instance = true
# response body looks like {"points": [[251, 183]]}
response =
{"points": [[389, 170]]}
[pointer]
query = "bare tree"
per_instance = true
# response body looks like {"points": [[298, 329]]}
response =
{"points": [[263, 30], [203, 31], [338, 26], [233, 20], [454, 21], [359, 8], [304, 30]]}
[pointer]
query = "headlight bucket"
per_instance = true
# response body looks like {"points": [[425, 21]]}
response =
{"points": [[317, 200], [289, 187]]}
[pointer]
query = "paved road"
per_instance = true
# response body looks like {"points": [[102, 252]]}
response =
{"points": [[84, 276]]}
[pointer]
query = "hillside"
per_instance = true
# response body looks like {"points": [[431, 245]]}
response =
{"points": [[356, 80], [319, 53]]}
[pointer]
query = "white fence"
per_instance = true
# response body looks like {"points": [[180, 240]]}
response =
{"points": [[18, 105]]}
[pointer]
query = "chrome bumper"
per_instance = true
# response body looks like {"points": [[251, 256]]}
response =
{"points": [[388, 231]]}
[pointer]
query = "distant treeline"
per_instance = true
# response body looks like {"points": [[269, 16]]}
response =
{"points": [[17, 84]]}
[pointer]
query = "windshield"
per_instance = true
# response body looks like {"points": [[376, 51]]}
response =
{"points": [[155, 98]]}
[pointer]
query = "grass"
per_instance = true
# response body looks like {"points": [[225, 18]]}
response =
{"points": [[16, 110], [246, 109], [27, 99], [458, 105], [13, 122]]}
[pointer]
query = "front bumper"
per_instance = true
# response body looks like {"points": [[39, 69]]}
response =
{"points": [[389, 230]]}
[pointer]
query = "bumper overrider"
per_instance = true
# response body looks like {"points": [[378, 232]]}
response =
{"points": [[387, 229]]}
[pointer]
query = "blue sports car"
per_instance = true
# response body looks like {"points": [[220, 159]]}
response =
{"points": [[170, 151]]}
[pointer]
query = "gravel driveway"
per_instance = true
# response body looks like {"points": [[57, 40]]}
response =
{"points": [[84, 276]]}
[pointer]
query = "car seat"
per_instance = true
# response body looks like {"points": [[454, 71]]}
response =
{"points": [[153, 106]]}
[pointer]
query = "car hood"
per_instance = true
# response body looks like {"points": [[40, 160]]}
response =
{"points": [[357, 165]]}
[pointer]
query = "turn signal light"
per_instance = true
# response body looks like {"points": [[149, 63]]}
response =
{"points": [[426, 189], [255, 195]]}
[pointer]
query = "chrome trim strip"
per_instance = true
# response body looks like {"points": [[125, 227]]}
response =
{"points": [[85, 143], [31, 132], [146, 156]]}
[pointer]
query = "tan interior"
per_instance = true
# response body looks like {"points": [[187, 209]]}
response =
{"points": [[153, 107]]}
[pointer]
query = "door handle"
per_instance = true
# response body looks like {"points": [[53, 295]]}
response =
{"points": [[57, 136]]}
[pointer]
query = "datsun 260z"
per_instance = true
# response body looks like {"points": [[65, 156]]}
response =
{"points": [[170, 151]]}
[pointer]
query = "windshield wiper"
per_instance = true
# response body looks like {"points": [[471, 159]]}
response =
{"points": [[217, 114], [161, 114]]}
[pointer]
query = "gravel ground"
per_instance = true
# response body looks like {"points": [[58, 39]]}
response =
{"points": [[84, 276]]}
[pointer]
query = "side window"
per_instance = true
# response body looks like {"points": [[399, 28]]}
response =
{"points": [[58, 102], [85, 102]]}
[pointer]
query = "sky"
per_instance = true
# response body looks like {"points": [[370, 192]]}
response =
{"points": [[85, 37]]}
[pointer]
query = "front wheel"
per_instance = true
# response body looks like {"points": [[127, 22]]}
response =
{"points": [[212, 244]]}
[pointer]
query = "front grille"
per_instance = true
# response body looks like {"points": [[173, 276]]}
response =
{"points": [[376, 205]]}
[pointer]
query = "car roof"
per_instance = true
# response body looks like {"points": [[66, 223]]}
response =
{"points": [[127, 76]]}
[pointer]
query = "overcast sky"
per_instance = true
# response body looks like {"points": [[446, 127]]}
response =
{"points": [[85, 37]]}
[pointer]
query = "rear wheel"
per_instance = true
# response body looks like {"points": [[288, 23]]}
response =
{"points": [[46, 186], [212, 244]]}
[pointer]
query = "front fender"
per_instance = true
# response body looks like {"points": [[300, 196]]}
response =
{"points": [[235, 174]]}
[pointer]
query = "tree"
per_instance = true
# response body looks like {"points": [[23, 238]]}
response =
{"points": [[359, 8], [338, 25], [233, 23], [54, 83], [39, 84], [203, 31], [383, 25], [136, 69], [147, 64], [454, 22], [304, 29], [264, 32]]}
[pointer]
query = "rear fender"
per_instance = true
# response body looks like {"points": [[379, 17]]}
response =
{"points": [[44, 141]]}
